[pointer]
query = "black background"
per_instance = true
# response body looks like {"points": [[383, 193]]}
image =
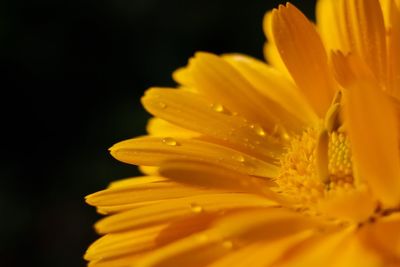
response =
{"points": [[72, 73]]}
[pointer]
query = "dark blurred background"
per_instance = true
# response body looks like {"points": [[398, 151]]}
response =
{"points": [[72, 73]]}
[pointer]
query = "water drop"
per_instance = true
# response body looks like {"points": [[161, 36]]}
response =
{"points": [[196, 208], [238, 157], [162, 105], [169, 141], [220, 109], [258, 129]]}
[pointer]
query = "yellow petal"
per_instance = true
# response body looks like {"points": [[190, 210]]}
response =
{"points": [[127, 243], [160, 127], [213, 176], [331, 24], [384, 237], [355, 205], [374, 136], [221, 82], [154, 151], [162, 190], [136, 181], [127, 260], [261, 254], [304, 55], [183, 77], [320, 250], [241, 226], [173, 209], [271, 52], [275, 86], [192, 111], [394, 49], [367, 35], [352, 252], [140, 192], [120, 244], [149, 170]]}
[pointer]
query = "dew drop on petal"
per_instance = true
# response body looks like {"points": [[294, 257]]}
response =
{"points": [[220, 109], [162, 105], [196, 208], [238, 157], [258, 129], [169, 141]]}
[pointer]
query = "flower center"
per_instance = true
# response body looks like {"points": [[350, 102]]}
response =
{"points": [[314, 167]]}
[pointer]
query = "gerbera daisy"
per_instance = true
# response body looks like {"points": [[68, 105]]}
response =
{"points": [[294, 162]]}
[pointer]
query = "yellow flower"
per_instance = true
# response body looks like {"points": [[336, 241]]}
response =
{"points": [[291, 163]]}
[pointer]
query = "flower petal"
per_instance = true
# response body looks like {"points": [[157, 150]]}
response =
{"points": [[355, 205], [133, 242], [271, 52], [128, 260], [262, 253], [127, 242], [154, 151], [142, 193], [331, 24], [160, 127], [384, 237], [192, 111], [374, 136], [221, 82], [243, 226], [304, 55], [317, 251], [213, 176], [394, 49], [173, 209], [366, 34], [353, 253], [183, 77], [275, 86]]}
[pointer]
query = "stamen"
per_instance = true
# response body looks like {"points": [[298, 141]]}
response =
{"points": [[316, 165]]}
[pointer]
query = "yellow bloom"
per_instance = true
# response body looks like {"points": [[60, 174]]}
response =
{"points": [[291, 163]]}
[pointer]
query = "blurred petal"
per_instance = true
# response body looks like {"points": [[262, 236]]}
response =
{"points": [[384, 237], [262, 253], [321, 250], [242, 226], [271, 52], [304, 55], [374, 136], [367, 35], [213, 176], [331, 24]]}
